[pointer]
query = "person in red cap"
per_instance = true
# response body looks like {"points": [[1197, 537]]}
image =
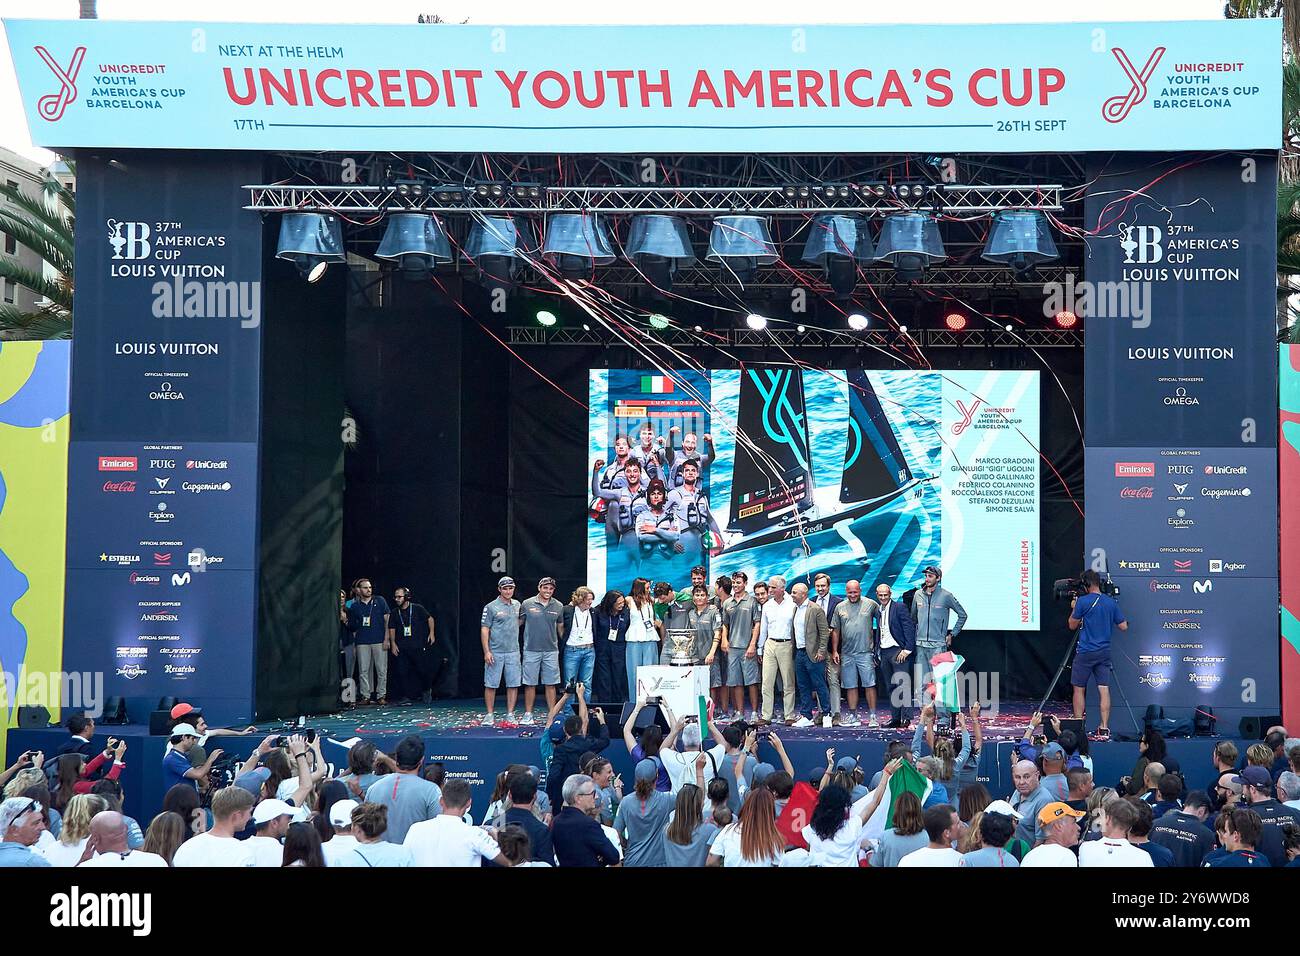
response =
{"points": [[189, 714]]}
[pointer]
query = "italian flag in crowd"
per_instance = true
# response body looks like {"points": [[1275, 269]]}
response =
{"points": [[656, 384], [906, 779], [946, 667]]}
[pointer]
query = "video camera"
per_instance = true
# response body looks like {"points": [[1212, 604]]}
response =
{"points": [[1067, 589]]}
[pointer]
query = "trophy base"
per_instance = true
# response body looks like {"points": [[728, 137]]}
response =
{"points": [[682, 662]]}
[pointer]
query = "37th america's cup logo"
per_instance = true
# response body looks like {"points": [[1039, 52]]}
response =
{"points": [[52, 105], [1117, 108]]}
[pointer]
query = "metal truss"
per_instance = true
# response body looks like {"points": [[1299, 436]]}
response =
{"points": [[883, 279], [1038, 338], [623, 200]]}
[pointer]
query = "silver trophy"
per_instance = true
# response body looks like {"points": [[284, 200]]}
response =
{"points": [[682, 640]]}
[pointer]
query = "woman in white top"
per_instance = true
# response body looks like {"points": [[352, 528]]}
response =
{"points": [[580, 640], [68, 849], [643, 634], [753, 840], [835, 831]]}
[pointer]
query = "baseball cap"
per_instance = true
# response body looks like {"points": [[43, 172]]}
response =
{"points": [[253, 780], [506, 582], [647, 770], [762, 771], [268, 810], [557, 730], [1004, 808], [545, 581], [847, 764], [185, 730], [1256, 777], [1054, 751], [938, 572], [815, 777], [1054, 811], [186, 710], [341, 813]]}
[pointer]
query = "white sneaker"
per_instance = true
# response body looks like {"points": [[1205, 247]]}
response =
{"points": [[873, 723], [487, 721], [527, 720], [803, 722], [849, 720]]}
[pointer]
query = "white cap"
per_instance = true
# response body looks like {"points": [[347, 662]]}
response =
{"points": [[268, 810], [341, 813], [185, 730], [1004, 808]]}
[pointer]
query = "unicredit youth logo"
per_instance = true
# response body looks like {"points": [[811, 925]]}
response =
{"points": [[967, 415], [52, 105], [1117, 108]]}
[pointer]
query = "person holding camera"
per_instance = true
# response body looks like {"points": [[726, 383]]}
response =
{"points": [[1096, 615], [568, 752]]}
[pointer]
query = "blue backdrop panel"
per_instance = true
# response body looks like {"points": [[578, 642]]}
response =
{"points": [[163, 465]]}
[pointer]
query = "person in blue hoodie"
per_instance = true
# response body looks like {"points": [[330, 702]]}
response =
{"points": [[1239, 834]]}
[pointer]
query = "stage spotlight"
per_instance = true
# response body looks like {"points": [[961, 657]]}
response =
{"points": [[699, 328], [1065, 320], [416, 242], [903, 329], [804, 192], [659, 246], [955, 321], [790, 191], [801, 329], [741, 244], [658, 322], [1008, 328], [576, 243], [910, 242], [756, 322], [858, 322], [545, 318], [1020, 238], [586, 327], [497, 246], [311, 241], [838, 243]]}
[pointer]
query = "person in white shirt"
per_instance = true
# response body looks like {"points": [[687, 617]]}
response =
{"points": [[1059, 824], [580, 644], [343, 841], [681, 764], [271, 818], [232, 807], [107, 845], [369, 824], [943, 826], [776, 649], [447, 840], [835, 833], [1114, 849]]}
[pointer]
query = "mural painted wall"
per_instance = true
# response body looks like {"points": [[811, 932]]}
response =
{"points": [[33, 515]]}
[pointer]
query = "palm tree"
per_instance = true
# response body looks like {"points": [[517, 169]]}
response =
{"points": [[44, 225]]}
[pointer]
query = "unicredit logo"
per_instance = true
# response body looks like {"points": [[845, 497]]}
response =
{"points": [[1135, 469], [1146, 491], [207, 463], [119, 486], [107, 463]]}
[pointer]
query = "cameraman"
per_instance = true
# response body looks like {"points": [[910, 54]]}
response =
{"points": [[1097, 615]]}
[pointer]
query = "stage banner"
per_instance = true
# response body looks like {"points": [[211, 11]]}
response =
{"points": [[867, 475], [1181, 456], [33, 471], [1289, 469], [163, 466], [1057, 87]]}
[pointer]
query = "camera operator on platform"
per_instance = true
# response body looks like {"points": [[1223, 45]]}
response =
{"points": [[1097, 615]]}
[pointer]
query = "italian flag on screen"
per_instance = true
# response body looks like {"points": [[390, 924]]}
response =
{"points": [[655, 384]]}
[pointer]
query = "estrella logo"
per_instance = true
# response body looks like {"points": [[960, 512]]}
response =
{"points": [[1117, 108], [52, 105], [967, 415]]}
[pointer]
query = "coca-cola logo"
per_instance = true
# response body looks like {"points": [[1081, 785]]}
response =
{"points": [[1146, 491], [119, 486]]}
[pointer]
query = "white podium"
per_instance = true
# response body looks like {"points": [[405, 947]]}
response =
{"points": [[680, 687]]}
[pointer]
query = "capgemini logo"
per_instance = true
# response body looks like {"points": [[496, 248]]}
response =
{"points": [[52, 105], [1117, 108]]}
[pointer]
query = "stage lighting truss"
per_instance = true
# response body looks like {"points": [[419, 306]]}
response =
{"points": [[789, 336], [787, 199]]}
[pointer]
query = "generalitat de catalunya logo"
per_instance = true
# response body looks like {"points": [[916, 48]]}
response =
{"points": [[52, 105], [1117, 108]]}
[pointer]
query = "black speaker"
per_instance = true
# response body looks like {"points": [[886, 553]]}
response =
{"points": [[160, 723], [1154, 713], [1204, 720], [650, 714], [1256, 728], [114, 711], [167, 703], [33, 718]]}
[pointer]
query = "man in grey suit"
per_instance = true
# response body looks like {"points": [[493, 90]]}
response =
{"points": [[828, 602], [812, 636]]}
